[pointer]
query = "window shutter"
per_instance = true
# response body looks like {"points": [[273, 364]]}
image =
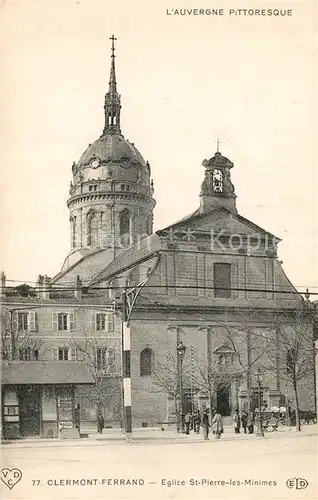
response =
{"points": [[71, 321], [93, 322], [110, 322], [55, 353], [55, 322], [72, 353], [31, 321]]}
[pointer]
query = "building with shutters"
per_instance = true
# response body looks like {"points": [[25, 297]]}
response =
{"points": [[212, 280], [60, 362]]}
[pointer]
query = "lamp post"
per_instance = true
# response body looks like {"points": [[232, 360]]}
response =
{"points": [[237, 384], [181, 348], [258, 417]]}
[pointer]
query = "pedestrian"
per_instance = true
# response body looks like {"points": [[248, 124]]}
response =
{"points": [[205, 424], [100, 423], [244, 420], [250, 422], [187, 422], [217, 424], [236, 422]]}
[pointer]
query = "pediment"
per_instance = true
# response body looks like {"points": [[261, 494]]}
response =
{"points": [[219, 220], [224, 349]]}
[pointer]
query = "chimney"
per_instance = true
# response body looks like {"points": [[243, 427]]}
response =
{"points": [[2, 284], [39, 286], [78, 289], [46, 287]]}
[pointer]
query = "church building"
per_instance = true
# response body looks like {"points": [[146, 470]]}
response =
{"points": [[206, 289]]}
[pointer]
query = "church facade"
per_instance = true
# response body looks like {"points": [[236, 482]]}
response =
{"points": [[211, 283]]}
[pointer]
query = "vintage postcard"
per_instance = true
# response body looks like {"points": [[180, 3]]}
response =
{"points": [[159, 274]]}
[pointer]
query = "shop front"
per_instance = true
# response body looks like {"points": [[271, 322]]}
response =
{"points": [[40, 403]]}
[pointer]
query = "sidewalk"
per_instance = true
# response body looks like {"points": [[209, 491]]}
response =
{"points": [[151, 435]]}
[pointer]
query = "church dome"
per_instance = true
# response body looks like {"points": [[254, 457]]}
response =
{"points": [[112, 148], [111, 194]]}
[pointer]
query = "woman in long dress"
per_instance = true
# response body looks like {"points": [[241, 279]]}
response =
{"points": [[217, 425]]}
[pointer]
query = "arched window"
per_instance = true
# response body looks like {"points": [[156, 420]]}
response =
{"points": [[124, 223], [146, 362], [92, 229], [149, 224]]}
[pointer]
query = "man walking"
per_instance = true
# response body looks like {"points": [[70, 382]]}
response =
{"points": [[205, 424], [187, 422], [236, 422], [250, 422], [244, 420], [100, 423]]}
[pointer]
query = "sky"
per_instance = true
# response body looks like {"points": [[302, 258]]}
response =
{"points": [[184, 81]]}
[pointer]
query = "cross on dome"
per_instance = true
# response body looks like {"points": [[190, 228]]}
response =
{"points": [[113, 39]]}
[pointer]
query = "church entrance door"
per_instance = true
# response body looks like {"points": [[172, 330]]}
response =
{"points": [[223, 401]]}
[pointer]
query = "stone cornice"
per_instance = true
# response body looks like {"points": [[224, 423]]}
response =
{"points": [[94, 196]]}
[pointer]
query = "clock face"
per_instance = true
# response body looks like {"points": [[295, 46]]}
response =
{"points": [[95, 163], [217, 181]]}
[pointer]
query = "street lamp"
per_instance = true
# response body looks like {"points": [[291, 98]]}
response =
{"points": [[237, 386], [258, 417], [181, 348]]}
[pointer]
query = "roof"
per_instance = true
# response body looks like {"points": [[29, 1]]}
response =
{"points": [[197, 215], [141, 251], [58, 298], [45, 372], [111, 147]]}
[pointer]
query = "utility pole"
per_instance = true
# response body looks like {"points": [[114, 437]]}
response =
{"points": [[126, 370], [128, 302]]}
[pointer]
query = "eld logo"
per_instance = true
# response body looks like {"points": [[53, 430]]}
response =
{"points": [[10, 477], [297, 482]]}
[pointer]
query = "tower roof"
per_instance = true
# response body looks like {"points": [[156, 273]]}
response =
{"points": [[112, 146], [112, 104]]}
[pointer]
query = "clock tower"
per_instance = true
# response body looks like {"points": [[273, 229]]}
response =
{"points": [[217, 189]]}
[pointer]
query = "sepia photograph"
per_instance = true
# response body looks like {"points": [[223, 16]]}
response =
{"points": [[159, 250]]}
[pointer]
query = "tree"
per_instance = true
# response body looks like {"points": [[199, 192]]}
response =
{"points": [[290, 350], [18, 338], [102, 365], [166, 377]]}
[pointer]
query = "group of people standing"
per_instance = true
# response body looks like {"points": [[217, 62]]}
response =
{"points": [[246, 421], [195, 421]]}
